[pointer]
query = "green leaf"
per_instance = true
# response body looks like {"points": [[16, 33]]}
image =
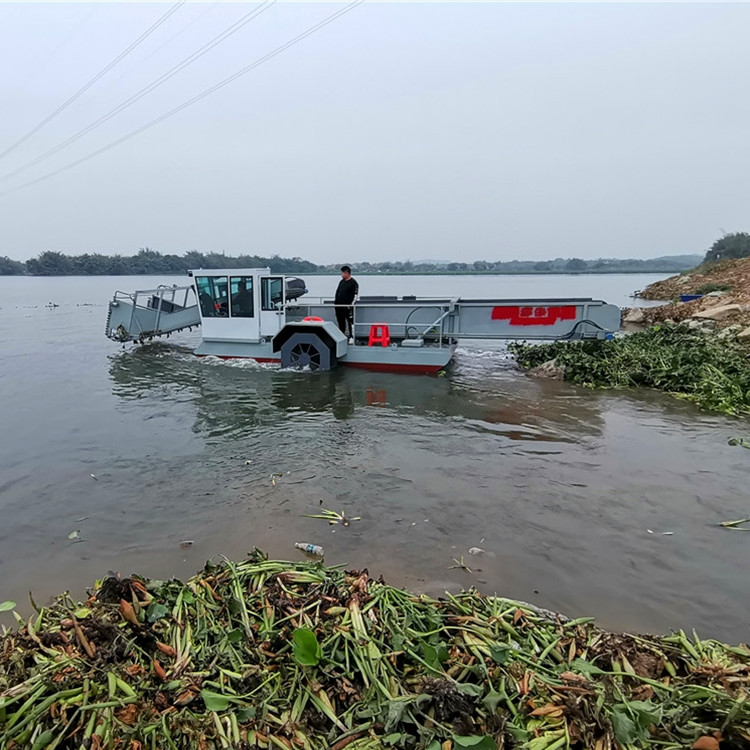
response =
{"points": [[625, 729], [215, 701], [630, 721], [82, 613], [155, 611], [500, 653], [234, 635], [475, 742], [246, 714], [7, 606], [434, 745], [44, 739], [518, 734], [584, 667], [646, 711], [188, 596], [466, 688], [491, 700], [306, 648], [435, 655], [398, 706]]}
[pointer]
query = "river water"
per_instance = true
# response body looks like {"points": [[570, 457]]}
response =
{"points": [[559, 485]]}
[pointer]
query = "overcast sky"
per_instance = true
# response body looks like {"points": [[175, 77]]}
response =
{"points": [[400, 131]]}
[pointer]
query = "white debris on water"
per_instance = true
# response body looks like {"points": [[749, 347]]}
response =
{"points": [[242, 363]]}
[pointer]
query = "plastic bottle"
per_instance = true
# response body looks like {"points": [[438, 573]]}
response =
{"points": [[310, 549]]}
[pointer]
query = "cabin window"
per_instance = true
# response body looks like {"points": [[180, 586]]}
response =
{"points": [[242, 297], [212, 296], [271, 293]]}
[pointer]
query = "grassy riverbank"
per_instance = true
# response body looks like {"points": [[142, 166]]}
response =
{"points": [[711, 371], [284, 655]]}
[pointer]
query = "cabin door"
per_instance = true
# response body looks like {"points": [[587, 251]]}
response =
{"points": [[272, 315]]}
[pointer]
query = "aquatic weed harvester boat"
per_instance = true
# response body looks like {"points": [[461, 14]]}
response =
{"points": [[251, 313]]}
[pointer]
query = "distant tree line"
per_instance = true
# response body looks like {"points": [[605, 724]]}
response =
{"points": [[666, 264], [147, 261]]}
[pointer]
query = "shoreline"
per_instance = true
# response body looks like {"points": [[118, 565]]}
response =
{"points": [[649, 272]]}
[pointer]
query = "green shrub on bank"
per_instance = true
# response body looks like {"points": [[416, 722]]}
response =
{"points": [[708, 288], [714, 373]]}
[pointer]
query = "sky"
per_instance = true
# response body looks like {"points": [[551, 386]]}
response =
{"points": [[399, 131]]}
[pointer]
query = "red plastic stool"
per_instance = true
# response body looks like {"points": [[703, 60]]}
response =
{"points": [[379, 334]]}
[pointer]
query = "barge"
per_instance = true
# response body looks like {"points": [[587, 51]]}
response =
{"points": [[252, 313]]}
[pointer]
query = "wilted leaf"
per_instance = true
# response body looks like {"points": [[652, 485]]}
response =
{"points": [[573, 677], [306, 647], [706, 743], [548, 710], [128, 715]]}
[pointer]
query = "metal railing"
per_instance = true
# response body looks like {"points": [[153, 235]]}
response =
{"points": [[155, 299], [360, 329]]}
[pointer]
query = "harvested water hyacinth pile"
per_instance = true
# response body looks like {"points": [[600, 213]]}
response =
{"points": [[294, 655], [712, 372]]}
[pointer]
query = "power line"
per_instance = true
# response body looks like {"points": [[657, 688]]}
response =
{"points": [[166, 42], [236, 26], [150, 30], [207, 92]]}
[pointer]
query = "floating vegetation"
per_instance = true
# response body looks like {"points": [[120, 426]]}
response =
{"points": [[714, 373], [735, 524], [268, 654], [333, 517]]}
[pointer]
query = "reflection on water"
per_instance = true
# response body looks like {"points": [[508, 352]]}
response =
{"points": [[233, 399]]}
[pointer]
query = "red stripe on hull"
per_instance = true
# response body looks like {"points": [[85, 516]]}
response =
{"points": [[387, 367], [372, 366]]}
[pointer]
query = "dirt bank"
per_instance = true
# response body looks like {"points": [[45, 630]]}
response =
{"points": [[732, 276], [725, 303]]}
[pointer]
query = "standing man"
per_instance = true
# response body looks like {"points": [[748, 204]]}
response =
{"points": [[346, 291]]}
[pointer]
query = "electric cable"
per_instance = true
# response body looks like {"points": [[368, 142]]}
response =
{"points": [[205, 49], [150, 30], [207, 92]]}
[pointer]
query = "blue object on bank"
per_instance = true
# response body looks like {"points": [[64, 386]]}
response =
{"points": [[689, 297]]}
